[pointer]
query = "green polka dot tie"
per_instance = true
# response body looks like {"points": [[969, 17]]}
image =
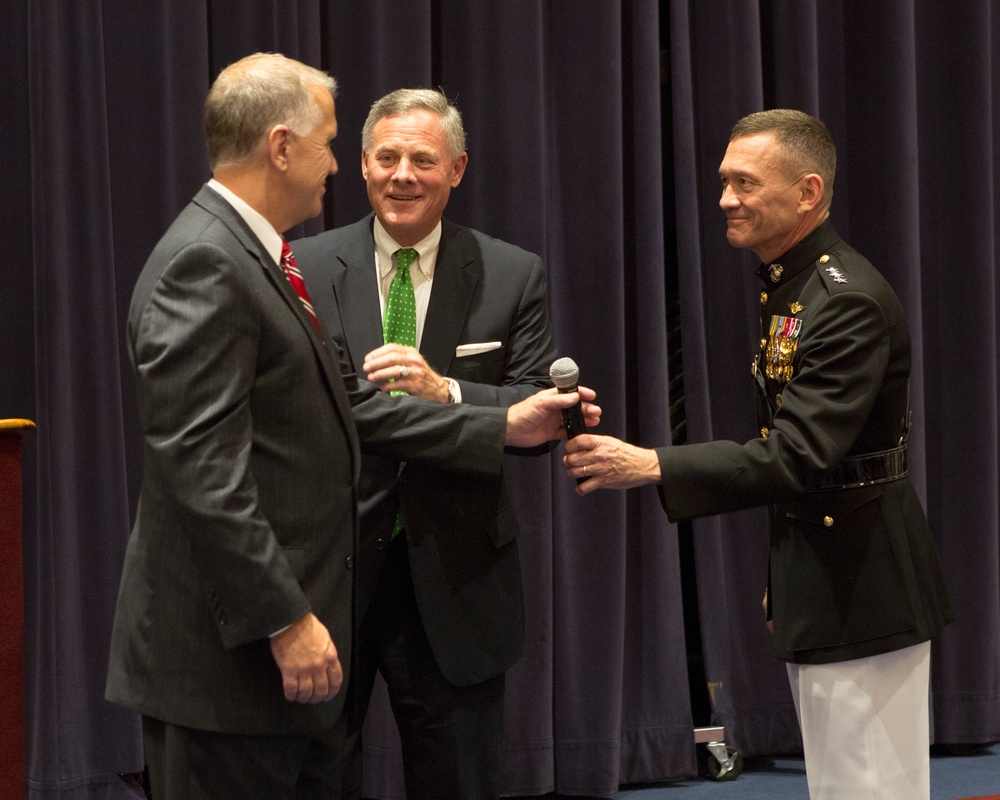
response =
{"points": [[400, 324]]}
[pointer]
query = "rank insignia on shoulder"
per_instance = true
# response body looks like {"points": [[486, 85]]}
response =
{"points": [[780, 351], [796, 307], [836, 274]]}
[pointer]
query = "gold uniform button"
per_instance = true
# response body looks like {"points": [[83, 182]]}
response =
{"points": [[824, 258], [777, 400], [763, 343], [828, 522], [763, 298], [764, 433]]}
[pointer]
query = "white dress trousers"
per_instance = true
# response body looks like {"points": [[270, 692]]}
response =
{"points": [[865, 725]]}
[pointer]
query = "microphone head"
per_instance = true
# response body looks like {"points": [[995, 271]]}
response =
{"points": [[564, 373]]}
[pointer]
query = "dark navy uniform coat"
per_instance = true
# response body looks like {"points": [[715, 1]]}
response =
{"points": [[854, 570]]}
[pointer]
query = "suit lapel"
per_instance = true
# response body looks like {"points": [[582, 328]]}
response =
{"points": [[456, 275], [356, 289], [212, 202]]}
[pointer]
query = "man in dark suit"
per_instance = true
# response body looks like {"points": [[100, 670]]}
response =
{"points": [[233, 629], [438, 592], [855, 589]]}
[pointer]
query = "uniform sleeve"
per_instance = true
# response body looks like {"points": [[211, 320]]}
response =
{"points": [[843, 354]]}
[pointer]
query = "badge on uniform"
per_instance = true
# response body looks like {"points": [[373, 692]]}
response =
{"points": [[781, 348]]}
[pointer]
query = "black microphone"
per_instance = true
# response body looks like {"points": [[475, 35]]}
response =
{"points": [[565, 374]]}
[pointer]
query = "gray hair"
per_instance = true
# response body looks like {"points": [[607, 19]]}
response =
{"points": [[253, 95], [805, 141], [403, 101]]}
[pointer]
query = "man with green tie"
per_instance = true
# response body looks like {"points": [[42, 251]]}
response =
{"points": [[427, 307]]}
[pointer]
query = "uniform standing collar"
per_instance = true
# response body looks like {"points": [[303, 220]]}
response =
{"points": [[800, 256]]}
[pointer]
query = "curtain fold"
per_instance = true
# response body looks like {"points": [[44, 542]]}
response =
{"points": [[562, 105], [77, 742]]}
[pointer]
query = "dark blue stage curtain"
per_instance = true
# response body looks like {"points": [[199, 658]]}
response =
{"points": [[562, 103]]}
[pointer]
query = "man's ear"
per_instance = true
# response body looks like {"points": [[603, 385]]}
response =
{"points": [[811, 191], [458, 169], [278, 140]]}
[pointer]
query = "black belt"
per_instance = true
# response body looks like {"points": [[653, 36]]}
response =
{"points": [[854, 471]]}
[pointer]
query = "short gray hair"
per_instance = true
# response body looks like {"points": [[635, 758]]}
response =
{"points": [[806, 142], [253, 95], [403, 101]]}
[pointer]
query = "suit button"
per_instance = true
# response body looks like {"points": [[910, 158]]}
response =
{"points": [[380, 543], [349, 562], [828, 522]]}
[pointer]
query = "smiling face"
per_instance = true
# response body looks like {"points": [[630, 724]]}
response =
{"points": [[767, 210], [311, 159], [410, 174]]}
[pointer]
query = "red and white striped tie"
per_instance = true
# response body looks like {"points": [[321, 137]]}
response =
{"points": [[295, 278]]}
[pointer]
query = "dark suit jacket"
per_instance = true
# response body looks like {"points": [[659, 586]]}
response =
{"points": [[853, 571], [461, 531], [247, 515]]}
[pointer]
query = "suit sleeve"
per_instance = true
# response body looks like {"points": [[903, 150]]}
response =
{"points": [[458, 438], [844, 354], [194, 349]]}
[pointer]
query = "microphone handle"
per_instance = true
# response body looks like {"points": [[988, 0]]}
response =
{"points": [[573, 421]]}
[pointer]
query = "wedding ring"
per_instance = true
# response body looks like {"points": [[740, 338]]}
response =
{"points": [[585, 470], [404, 371]]}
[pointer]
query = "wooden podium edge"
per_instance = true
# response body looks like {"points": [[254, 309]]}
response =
{"points": [[13, 742], [21, 425]]}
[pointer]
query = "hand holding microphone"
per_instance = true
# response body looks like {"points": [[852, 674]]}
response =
{"points": [[565, 375], [599, 462], [547, 415]]}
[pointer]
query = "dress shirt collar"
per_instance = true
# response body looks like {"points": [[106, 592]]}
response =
{"points": [[262, 229], [427, 250]]}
